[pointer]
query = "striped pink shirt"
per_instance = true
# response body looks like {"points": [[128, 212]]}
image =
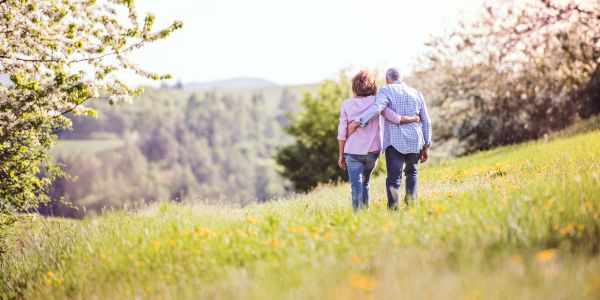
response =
{"points": [[365, 139]]}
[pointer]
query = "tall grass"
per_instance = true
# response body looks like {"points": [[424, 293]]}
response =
{"points": [[515, 222]]}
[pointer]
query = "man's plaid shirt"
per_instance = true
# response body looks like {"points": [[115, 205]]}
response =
{"points": [[405, 101]]}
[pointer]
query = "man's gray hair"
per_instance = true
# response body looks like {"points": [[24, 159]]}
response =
{"points": [[393, 74]]}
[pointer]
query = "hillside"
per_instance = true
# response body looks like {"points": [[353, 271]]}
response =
{"points": [[512, 223], [176, 144], [233, 83]]}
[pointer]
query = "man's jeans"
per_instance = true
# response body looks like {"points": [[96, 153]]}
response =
{"points": [[360, 168], [394, 162]]}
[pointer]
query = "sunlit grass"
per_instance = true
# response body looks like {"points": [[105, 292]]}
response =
{"points": [[515, 222]]}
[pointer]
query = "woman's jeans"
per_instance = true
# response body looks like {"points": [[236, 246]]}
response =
{"points": [[360, 168]]}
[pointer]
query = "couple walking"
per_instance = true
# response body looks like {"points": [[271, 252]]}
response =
{"points": [[401, 112]]}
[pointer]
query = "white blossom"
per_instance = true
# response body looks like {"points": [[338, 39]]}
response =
{"points": [[59, 54]]}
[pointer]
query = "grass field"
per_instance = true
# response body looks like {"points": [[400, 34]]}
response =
{"points": [[519, 222]]}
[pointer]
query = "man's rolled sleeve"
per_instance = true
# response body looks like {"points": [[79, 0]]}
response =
{"points": [[426, 123]]}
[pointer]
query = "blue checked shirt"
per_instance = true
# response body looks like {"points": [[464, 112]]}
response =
{"points": [[405, 101]]}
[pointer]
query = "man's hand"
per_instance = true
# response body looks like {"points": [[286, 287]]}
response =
{"points": [[352, 128], [342, 163], [424, 154], [406, 120]]}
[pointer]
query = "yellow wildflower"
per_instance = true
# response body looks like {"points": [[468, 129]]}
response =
{"points": [[102, 256], [171, 242], [362, 282], [250, 220], [51, 278], [328, 236], [439, 209], [298, 229], [204, 233], [273, 243], [569, 229], [556, 227], [356, 259], [473, 294], [156, 245], [548, 204], [545, 255], [389, 226], [503, 202], [517, 259]]}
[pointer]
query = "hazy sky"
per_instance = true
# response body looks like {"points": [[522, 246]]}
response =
{"points": [[292, 42]]}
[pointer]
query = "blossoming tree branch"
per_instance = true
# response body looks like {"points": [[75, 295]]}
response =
{"points": [[59, 54]]}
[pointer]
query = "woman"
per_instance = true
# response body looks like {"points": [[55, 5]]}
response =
{"points": [[359, 153]]}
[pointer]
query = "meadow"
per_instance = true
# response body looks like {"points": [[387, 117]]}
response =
{"points": [[517, 222]]}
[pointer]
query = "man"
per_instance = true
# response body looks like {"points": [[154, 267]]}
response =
{"points": [[404, 144]]}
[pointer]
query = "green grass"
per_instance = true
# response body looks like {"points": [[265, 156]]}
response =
{"points": [[518, 222]]}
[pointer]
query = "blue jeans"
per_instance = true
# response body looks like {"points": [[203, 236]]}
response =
{"points": [[360, 168], [394, 161]]}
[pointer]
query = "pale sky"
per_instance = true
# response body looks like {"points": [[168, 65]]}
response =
{"points": [[292, 42]]}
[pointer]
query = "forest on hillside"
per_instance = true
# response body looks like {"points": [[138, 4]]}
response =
{"points": [[174, 144]]}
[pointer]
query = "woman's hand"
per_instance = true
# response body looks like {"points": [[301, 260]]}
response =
{"points": [[341, 160], [342, 163], [352, 128]]}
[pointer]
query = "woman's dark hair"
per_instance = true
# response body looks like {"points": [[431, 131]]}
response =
{"points": [[363, 84]]}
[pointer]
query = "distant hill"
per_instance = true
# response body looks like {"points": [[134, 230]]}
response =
{"points": [[226, 84]]}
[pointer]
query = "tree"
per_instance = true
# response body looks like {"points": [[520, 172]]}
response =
{"points": [[313, 157], [59, 54], [522, 70]]}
